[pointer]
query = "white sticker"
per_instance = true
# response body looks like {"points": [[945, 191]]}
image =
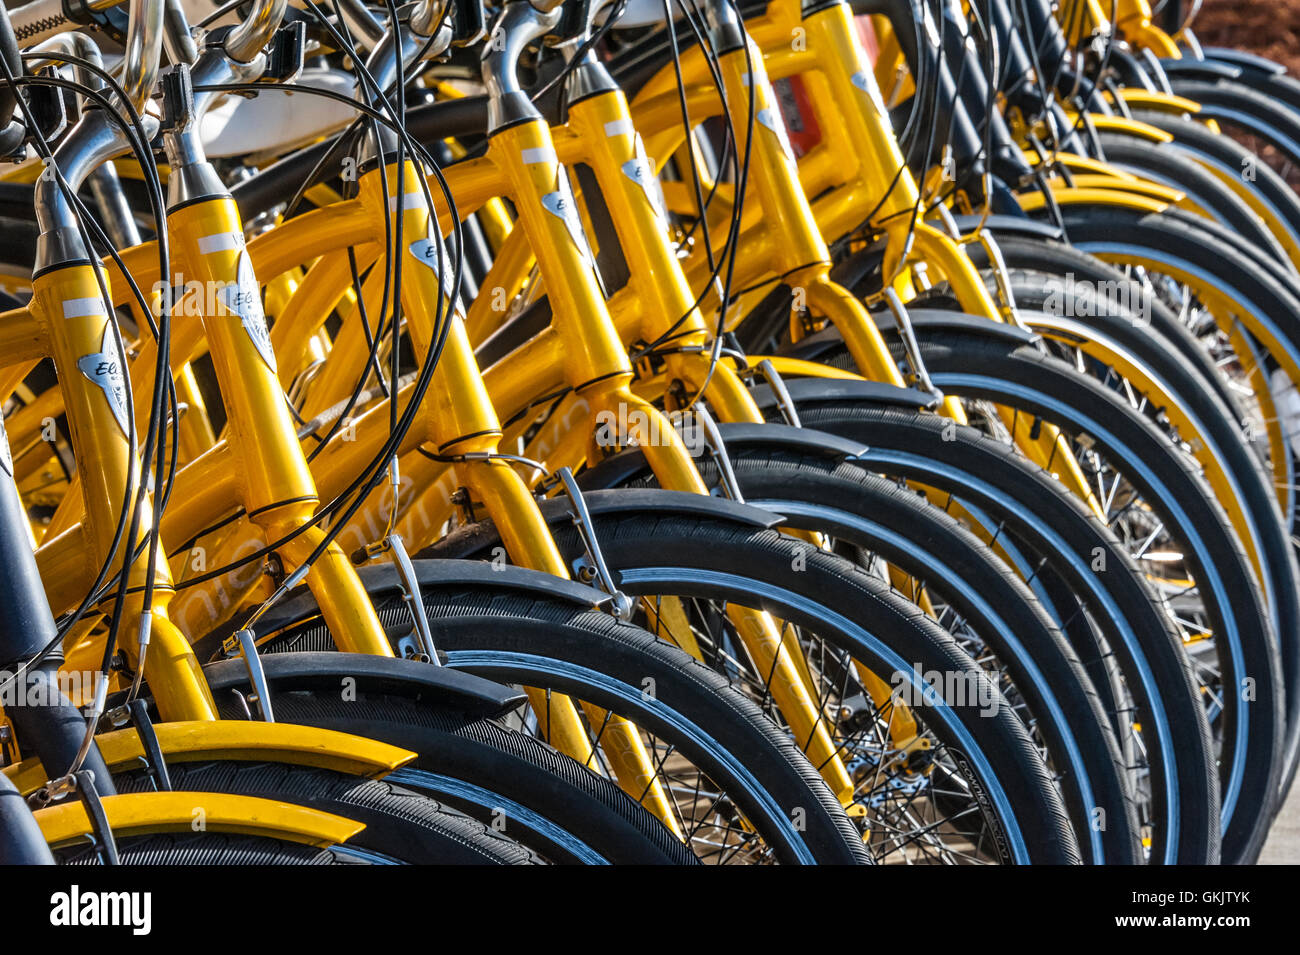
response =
{"points": [[867, 83], [538, 154], [245, 300], [105, 371], [6, 457], [641, 170], [769, 118], [562, 205], [426, 253], [83, 307], [221, 242], [619, 127], [410, 200]]}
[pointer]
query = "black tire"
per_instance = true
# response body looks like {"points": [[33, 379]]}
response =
{"points": [[971, 365], [836, 497], [1157, 336], [1171, 239], [1230, 156], [1059, 539], [400, 824], [215, 848], [656, 551], [1251, 483], [1176, 241], [545, 800], [1238, 107], [1168, 167], [1185, 371], [553, 644]]}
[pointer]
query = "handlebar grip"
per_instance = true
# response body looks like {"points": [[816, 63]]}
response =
{"points": [[39, 20], [9, 50]]}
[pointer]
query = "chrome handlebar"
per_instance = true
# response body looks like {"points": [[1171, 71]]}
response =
{"points": [[247, 39], [143, 50]]}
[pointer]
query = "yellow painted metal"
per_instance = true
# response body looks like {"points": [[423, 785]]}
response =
{"points": [[1118, 198], [195, 428], [1159, 102], [1131, 127], [273, 481], [236, 740], [137, 814]]}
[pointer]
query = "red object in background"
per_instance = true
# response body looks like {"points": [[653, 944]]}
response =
{"points": [[797, 112], [867, 34], [792, 97]]}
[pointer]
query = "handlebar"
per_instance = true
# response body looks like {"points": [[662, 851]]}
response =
{"points": [[246, 40], [9, 50], [143, 50]]}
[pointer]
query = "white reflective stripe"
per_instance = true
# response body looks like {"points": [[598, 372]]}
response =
{"points": [[82, 307], [411, 200], [619, 127], [538, 154], [221, 242]]}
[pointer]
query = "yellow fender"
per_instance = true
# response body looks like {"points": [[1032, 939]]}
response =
{"points": [[1134, 186], [1166, 103], [1161, 102], [1093, 195], [1130, 127], [237, 740], [798, 368], [138, 814]]}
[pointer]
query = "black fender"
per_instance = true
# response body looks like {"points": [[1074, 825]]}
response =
{"points": [[1240, 58], [618, 468], [943, 319], [307, 670], [835, 389], [475, 541], [817, 344], [1010, 225], [1211, 69], [323, 670]]}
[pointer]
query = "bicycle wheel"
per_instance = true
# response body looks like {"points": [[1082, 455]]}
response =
{"points": [[542, 798], [1141, 476], [1260, 120], [1112, 617], [400, 824], [1051, 277], [1233, 159], [1217, 427], [699, 566], [971, 593], [1170, 168], [745, 792]]}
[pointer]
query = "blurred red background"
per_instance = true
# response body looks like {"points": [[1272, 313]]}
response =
{"points": [[1270, 28]]}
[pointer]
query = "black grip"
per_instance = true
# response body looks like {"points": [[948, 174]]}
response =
{"points": [[468, 22], [9, 50]]}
